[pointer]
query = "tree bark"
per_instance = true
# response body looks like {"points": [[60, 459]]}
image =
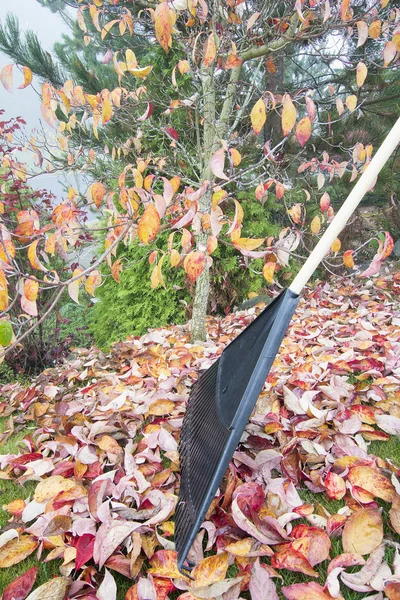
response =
{"points": [[213, 133]]}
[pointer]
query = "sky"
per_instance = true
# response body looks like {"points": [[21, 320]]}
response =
{"points": [[26, 103]]}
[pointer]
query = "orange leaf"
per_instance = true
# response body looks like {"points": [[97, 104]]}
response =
{"points": [[258, 116], [345, 11], [164, 22], [288, 115], [211, 569], [98, 190], [16, 550], [31, 289], [292, 560], [209, 51], [235, 156], [163, 564], [362, 73], [348, 259], [363, 531], [6, 77], [374, 29], [194, 264], [335, 486], [303, 130], [116, 270], [149, 225], [370, 480], [212, 244]]}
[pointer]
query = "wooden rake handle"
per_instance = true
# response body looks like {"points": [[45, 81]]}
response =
{"points": [[363, 185]]}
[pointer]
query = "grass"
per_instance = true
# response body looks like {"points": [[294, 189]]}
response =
{"points": [[9, 490]]}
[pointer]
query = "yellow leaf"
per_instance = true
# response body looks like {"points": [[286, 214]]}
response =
{"points": [[183, 67], [161, 407], [348, 260], [92, 282], [49, 488], [242, 547], [295, 212], [258, 116], [351, 102], [175, 258], [116, 270], [107, 111], [248, 243], [363, 531], [73, 287], [149, 225], [235, 156], [217, 197], [211, 569], [3, 291], [336, 245], [268, 271], [288, 115], [315, 225], [27, 78], [362, 73], [142, 72], [164, 22], [32, 257], [374, 29], [373, 482], [17, 550]]}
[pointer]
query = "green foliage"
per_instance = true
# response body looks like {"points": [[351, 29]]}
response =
{"points": [[70, 326], [132, 306]]}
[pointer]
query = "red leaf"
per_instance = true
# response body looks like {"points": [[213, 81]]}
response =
{"points": [[84, 549], [20, 587], [172, 132]]}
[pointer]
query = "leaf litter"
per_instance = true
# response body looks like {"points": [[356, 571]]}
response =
{"points": [[104, 455]]}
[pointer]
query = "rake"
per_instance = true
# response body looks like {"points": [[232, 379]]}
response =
{"points": [[223, 398]]}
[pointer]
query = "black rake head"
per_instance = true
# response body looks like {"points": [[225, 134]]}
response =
{"points": [[219, 407]]}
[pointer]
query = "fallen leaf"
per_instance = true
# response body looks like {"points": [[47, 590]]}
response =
{"points": [[363, 531]]}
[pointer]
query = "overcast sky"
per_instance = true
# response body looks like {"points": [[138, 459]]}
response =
{"points": [[25, 103]]}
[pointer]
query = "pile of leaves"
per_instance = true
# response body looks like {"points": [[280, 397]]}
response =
{"points": [[303, 500]]}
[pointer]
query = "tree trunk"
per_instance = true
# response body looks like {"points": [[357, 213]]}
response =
{"points": [[213, 133]]}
